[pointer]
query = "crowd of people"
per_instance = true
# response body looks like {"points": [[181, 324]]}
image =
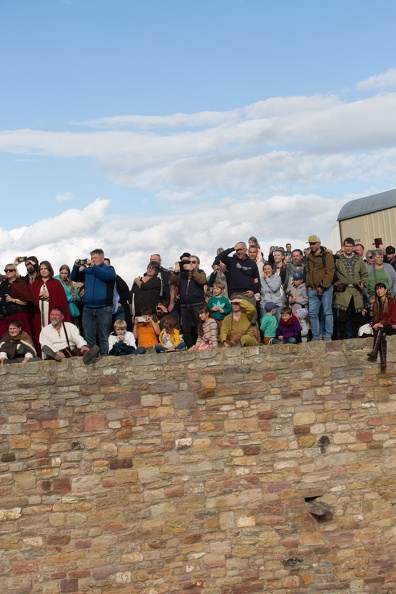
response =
{"points": [[290, 296]]}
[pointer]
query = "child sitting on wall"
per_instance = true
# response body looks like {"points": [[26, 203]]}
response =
{"points": [[207, 330], [122, 342], [289, 328], [169, 338], [269, 323], [145, 330]]}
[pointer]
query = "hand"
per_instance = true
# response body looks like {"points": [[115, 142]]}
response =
{"points": [[84, 349], [9, 298], [226, 345], [25, 360], [320, 291], [249, 294], [280, 337]]}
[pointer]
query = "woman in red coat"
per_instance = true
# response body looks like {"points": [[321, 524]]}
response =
{"points": [[384, 323], [15, 297], [47, 292]]}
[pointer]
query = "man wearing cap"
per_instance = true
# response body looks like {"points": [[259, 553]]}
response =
{"points": [[391, 256], [319, 274], [352, 274]]}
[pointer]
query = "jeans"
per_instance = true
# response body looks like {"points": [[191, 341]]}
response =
{"points": [[314, 304], [161, 349], [189, 318], [290, 340], [97, 323]]}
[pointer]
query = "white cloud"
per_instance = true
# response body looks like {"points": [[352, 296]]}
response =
{"points": [[66, 197], [385, 80]]}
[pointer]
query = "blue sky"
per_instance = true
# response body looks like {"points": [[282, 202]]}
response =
{"points": [[165, 125]]}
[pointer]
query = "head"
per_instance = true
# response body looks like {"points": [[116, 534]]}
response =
{"points": [[314, 243], [161, 308], [32, 265], [286, 313], [298, 278], [349, 246], [171, 322], [120, 327], [64, 272], [302, 313], [381, 290], [152, 269], [253, 241], [390, 253], [370, 257], [218, 288], [107, 261], [194, 263], [11, 272], [14, 328], [97, 257], [46, 270], [359, 249], [236, 304], [146, 313], [270, 308], [241, 250], [279, 256], [204, 313], [253, 252], [297, 257], [378, 256], [288, 247], [267, 269], [185, 256], [56, 316], [156, 258]]}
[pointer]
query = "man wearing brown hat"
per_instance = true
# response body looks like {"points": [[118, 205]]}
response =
{"points": [[319, 273]]}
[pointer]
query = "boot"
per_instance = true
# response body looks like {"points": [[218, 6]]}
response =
{"points": [[372, 356], [383, 350]]}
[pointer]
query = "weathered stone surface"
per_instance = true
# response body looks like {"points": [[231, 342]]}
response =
{"points": [[228, 472]]}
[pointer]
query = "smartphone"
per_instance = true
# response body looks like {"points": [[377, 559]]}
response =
{"points": [[378, 242], [141, 319]]}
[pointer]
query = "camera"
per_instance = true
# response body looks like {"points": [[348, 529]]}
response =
{"points": [[83, 261], [22, 258], [184, 263], [141, 319]]}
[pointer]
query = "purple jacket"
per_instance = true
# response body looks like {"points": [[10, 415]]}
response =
{"points": [[292, 328]]}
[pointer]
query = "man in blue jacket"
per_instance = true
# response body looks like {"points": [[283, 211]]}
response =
{"points": [[98, 282]]}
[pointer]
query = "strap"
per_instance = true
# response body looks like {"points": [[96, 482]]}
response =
{"points": [[67, 338]]}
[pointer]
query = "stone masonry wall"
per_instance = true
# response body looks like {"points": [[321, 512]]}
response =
{"points": [[235, 471]]}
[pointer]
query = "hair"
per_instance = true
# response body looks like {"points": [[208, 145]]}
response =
{"points": [[146, 311], [120, 324], [369, 253], [196, 257], [57, 308], [281, 251], [378, 252], [203, 309], [348, 240], [107, 260], [48, 266], [286, 310], [14, 268], [219, 285], [360, 245], [65, 267], [299, 251], [97, 252], [16, 323], [380, 306], [154, 265], [171, 322]]}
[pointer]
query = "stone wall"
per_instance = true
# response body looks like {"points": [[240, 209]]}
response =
{"points": [[231, 471]]}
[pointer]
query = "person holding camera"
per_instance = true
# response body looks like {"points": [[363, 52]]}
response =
{"points": [[146, 290], [14, 298], [98, 279], [191, 281]]}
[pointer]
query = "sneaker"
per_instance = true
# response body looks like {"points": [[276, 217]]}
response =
{"points": [[50, 353], [91, 354]]}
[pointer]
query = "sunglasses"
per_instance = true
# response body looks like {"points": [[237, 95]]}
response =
{"points": [[192, 261], [9, 269]]}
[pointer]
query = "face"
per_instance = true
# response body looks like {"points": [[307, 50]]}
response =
{"points": [[288, 247], [390, 257], [297, 281], [29, 266], [204, 315], [236, 306], [241, 250], [267, 270], [97, 259], [10, 272], [120, 331], [296, 258], [359, 250], [314, 246], [155, 258], [56, 317], [44, 272], [151, 271], [378, 260], [381, 291], [13, 330], [286, 317], [193, 263], [216, 291], [64, 275], [253, 251], [278, 256], [348, 249], [370, 257]]}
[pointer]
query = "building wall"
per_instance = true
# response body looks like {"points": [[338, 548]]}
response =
{"points": [[366, 228], [268, 469]]}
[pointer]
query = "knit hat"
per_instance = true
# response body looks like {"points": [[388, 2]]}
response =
{"points": [[302, 313]]}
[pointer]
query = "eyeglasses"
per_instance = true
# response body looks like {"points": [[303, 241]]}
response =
{"points": [[240, 250], [9, 269], [193, 261]]}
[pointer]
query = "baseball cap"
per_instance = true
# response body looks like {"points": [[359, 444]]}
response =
{"points": [[270, 305], [390, 249], [298, 275], [313, 239]]}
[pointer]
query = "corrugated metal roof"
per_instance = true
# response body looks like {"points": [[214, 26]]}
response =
{"points": [[368, 204]]}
